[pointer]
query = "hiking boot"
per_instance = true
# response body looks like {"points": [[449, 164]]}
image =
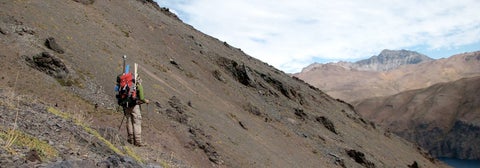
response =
{"points": [[130, 139], [140, 144]]}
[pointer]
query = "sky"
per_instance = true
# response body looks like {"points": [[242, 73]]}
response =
{"points": [[292, 34]]}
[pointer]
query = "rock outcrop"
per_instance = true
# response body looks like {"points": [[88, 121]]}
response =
{"points": [[49, 64]]}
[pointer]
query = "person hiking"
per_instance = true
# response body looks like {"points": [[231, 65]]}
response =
{"points": [[134, 117], [130, 96]]}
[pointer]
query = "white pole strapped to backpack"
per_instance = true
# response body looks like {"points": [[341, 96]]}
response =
{"points": [[135, 74], [135, 77]]}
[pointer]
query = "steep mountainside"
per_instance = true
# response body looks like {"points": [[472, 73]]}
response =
{"points": [[347, 83], [443, 118], [212, 105]]}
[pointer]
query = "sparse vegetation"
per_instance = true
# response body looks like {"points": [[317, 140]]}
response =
{"points": [[132, 154], [126, 33], [16, 137], [190, 75], [85, 127], [70, 81], [161, 67], [78, 121], [10, 137], [12, 134]]}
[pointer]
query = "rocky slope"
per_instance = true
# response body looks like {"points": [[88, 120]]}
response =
{"points": [[212, 105], [443, 118], [343, 81]]}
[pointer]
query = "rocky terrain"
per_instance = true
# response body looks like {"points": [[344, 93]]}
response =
{"points": [[367, 78], [443, 118], [34, 134], [212, 105]]}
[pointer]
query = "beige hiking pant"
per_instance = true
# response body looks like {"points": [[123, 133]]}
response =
{"points": [[134, 123]]}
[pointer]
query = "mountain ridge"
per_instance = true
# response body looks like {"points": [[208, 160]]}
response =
{"points": [[443, 118], [352, 85], [386, 60], [391, 59], [398, 100]]}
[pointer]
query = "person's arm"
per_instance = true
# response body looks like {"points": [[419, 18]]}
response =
{"points": [[141, 95]]}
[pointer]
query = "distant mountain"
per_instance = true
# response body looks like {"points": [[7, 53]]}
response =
{"points": [[386, 60], [443, 118], [367, 78], [390, 59]]}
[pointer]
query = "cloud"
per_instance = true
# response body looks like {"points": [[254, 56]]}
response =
{"points": [[292, 34]]}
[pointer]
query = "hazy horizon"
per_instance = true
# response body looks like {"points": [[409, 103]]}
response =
{"points": [[293, 34]]}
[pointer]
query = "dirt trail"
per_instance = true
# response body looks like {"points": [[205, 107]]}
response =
{"points": [[151, 74]]}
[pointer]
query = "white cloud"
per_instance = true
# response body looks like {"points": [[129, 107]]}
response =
{"points": [[292, 34]]}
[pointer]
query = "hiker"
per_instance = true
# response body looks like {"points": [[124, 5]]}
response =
{"points": [[134, 118], [130, 96]]}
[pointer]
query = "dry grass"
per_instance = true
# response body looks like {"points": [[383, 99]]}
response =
{"points": [[45, 150], [14, 137], [82, 117], [168, 162], [132, 154], [82, 120], [86, 128], [11, 135]]}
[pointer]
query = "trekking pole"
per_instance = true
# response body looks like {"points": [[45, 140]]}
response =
{"points": [[119, 127], [148, 109]]}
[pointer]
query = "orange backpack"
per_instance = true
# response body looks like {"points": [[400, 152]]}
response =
{"points": [[127, 92]]}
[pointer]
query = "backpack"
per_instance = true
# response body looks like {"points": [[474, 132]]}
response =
{"points": [[126, 92]]}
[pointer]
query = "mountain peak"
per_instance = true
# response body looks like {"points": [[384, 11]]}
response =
{"points": [[391, 59], [385, 61]]}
